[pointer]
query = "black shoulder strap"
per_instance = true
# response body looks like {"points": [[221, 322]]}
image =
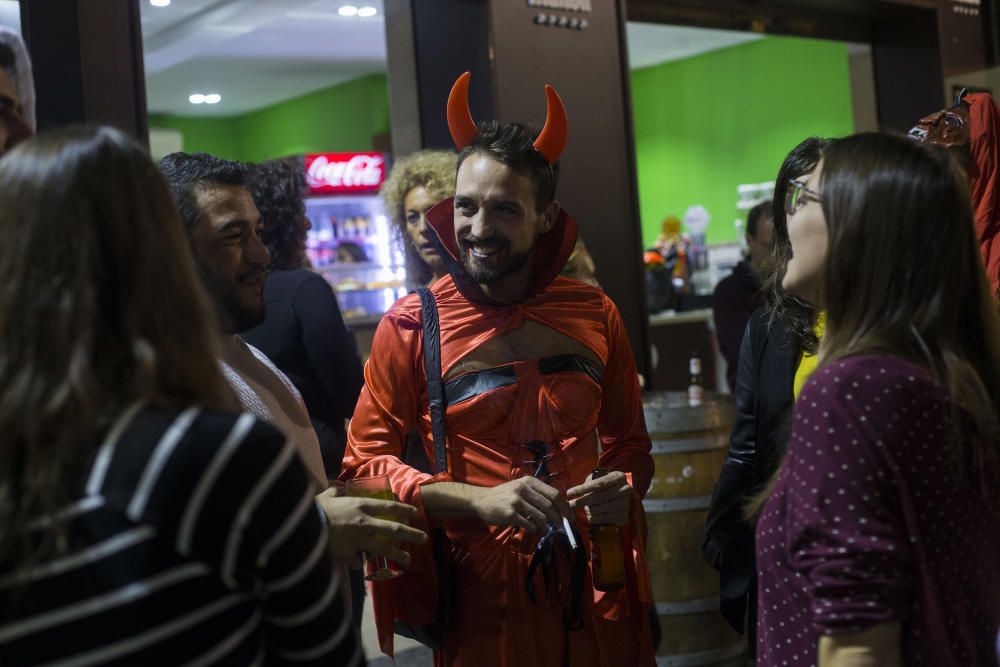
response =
{"points": [[432, 366]]}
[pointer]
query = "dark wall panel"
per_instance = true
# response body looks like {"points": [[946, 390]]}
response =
{"points": [[907, 67], [87, 58], [598, 183]]}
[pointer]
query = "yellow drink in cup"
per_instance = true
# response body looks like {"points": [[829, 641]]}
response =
{"points": [[376, 487]]}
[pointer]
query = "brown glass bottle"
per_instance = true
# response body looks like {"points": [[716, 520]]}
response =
{"points": [[607, 558]]}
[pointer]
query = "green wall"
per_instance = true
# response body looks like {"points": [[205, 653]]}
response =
{"points": [[341, 118], [705, 124]]}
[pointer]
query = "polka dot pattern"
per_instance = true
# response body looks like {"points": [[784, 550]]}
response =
{"points": [[870, 523]]}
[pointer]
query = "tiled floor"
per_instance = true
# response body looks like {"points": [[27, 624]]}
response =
{"points": [[408, 652]]}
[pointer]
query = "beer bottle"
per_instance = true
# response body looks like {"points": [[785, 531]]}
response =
{"points": [[606, 554], [696, 391]]}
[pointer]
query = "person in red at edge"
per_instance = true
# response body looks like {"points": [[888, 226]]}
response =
{"points": [[537, 369], [971, 128]]}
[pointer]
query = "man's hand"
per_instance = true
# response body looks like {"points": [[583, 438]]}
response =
{"points": [[355, 528], [526, 503], [606, 499]]}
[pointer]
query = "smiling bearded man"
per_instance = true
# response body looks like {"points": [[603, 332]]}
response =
{"points": [[224, 226], [539, 390]]}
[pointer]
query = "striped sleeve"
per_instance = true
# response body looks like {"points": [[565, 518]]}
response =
{"points": [[250, 514]]}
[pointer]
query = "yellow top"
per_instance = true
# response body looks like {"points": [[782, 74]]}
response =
{"points": [[809, 361]]}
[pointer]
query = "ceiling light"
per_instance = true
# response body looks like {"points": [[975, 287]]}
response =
{"points": [[160, 3], [348, 10], [213, 98], [197, 98], [367, 11]]}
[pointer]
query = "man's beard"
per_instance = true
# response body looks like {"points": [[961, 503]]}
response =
{"points": [[235, 316], [487, 275]]}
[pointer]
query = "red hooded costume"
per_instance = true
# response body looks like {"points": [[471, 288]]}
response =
{"points": [[984, 180], [590, 414], [972, 125]]}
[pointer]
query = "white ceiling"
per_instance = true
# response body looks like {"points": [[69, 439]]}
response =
{"points": [[655, 43], [253, 52], [259, 52], [10, 14]]}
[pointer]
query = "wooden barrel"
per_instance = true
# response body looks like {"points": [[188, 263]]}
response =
{"points": [[689, 447]]}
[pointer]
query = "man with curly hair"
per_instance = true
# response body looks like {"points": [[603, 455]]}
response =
{"points": [[303, 332], [418, 182]]}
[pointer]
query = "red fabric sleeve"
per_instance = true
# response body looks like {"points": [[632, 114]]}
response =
{"points": [[387, 410], [625, 444]]}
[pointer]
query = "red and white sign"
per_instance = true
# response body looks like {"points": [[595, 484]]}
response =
{"points": [[344, 173]]}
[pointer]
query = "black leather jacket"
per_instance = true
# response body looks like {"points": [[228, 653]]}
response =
{"points": [[764, 402]]}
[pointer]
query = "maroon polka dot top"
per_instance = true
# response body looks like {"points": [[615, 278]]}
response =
{"points": [[869, 523]]}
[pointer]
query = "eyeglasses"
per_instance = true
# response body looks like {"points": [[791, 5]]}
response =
{"points": [[798, 195]]}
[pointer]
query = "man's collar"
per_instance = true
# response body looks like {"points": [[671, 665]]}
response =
{"points": [[552, 249]]}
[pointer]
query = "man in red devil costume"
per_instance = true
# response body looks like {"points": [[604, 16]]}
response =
{"points": [[540, 384], [971, 128]]}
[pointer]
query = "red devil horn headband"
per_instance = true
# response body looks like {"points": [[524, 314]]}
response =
{"points": [[550, 142]]}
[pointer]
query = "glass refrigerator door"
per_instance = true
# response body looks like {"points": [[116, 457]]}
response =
{"points": [[350, 244]]}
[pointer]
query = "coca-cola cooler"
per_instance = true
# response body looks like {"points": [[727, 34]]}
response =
{"points": [[350, 242]]}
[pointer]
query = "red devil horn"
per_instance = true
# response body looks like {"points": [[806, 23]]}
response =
{"points": [[460, 124], [552, 140]]}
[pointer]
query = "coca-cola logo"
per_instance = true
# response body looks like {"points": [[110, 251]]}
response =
{"points": [[345, 172]]}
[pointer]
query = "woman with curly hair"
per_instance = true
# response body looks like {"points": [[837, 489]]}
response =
{"points": [[303, 332], [418, 182]]}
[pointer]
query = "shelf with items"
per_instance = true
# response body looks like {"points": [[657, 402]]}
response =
{"points": [[749, 195]]}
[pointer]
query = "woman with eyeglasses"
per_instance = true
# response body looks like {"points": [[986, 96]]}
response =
{"points": [[777, 352], [879, 542]]}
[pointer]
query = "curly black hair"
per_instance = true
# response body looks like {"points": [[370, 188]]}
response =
{"points": [[185, 172], [277, 188]]}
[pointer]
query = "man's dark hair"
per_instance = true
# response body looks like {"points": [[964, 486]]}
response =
{"points": [[8, 62], [512, 144], [7, 58], [762, 211], [277, 187], [186, 172]]}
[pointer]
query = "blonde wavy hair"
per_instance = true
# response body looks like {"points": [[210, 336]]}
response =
{"points": [[431, 169]]}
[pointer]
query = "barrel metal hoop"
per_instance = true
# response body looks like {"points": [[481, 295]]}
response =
{"points": [[702, 657], [703, 444], [689, 503], [699, 606]]}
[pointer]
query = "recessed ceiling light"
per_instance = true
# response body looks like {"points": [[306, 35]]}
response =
{"points": [[348, 10], [367, 11], [197, 98], [213, 98], [160, 3]]}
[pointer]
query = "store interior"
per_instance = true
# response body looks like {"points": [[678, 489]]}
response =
{"points": [[714, 112]]}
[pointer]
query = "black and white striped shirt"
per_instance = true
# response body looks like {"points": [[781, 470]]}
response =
{"points": [[195, 539]]}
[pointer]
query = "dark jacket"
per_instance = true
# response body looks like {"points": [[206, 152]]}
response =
{"points": [[304, 335], [764, 401], [736, 297]]}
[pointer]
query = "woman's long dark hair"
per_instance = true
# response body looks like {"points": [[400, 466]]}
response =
{"points": [[904, 277], [796, 315], [100, 307]]}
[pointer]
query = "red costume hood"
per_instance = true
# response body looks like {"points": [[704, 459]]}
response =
{"points": [[984, 180], [552, 249]]}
